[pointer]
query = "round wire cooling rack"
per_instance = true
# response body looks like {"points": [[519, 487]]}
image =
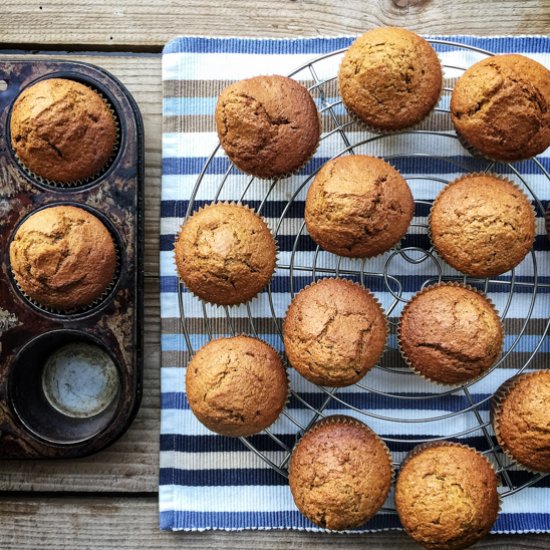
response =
{"points": [[402, 407]]}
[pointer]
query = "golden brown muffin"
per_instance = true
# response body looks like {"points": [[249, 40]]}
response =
{"points": [[521, 419], [334, 332], [62, 130], [390, 78], [267, 125], [225, 254], [358, 206], [63, 257], [450, 334], [482, 225], [340, 473], [500, 107], [236, 386], [446, 496]]}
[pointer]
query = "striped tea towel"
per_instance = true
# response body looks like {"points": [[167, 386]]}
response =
{"points": [[213, 482]]}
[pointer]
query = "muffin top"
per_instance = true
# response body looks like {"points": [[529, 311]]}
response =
{"points": [[334, 332], [225, 254], [446, 496], [340, 473], [62, 130], [521, 419], [482, 225], [358, 206], [236, 386], [501, 107], [390, 78], [267, 125], [450, 334], [63, 257]]}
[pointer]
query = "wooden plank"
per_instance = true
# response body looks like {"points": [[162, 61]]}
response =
{"points": [[129, 523], [148, 24], [131, 464]]}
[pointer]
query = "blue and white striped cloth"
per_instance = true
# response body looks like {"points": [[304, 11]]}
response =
{"points": [[213, 482]]}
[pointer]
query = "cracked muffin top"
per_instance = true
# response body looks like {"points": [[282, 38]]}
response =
{"points": [[236, 386], [446, 496], [334, 332], [390, 78], [482, 225], [501, 107], [450, 333], [63, 257], [358, 206], [521, 421], [225, 254], [268, 125], [340, 473], [62, 130]]}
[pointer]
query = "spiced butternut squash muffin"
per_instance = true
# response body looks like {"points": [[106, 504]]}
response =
{"points": [[446, 496], [390, 78], [521, 419], [482, 225], [358, 206], [62, 130], [268, 125], [236, 386], [225, 253], [340, 473], [63, 257], [500, 107], [334, 332]]}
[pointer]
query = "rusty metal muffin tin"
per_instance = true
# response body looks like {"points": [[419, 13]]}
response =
{"points": [[30, 426]]}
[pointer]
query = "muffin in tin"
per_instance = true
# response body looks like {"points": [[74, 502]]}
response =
{"points": [[390, 78], [340, 473], [268, 125], [236, 386], [358, 206], [63, 131], [500, 108], [63, 257]]}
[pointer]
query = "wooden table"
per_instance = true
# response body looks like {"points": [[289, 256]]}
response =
{"points": [[110, 500]]}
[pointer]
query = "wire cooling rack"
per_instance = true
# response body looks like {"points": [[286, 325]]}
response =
{"points": [[468, 416]]}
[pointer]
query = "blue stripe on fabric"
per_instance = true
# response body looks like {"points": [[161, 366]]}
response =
{"points": [[406, 165], [527, 44]]}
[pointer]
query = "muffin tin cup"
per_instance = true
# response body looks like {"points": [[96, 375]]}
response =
{"points": [[422, 375], [479, 174], [40, 419], [234, 203], [106, 296], [499, 397], [76, 183], [358, 285]]}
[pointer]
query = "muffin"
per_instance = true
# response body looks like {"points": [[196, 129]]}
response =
{"points": [[500, 107], [268, 125], [236, 386], [520, 417], [340, 473], [446, 496], [62, 131], [63, 257], [390, 78], [482, 225], [358, 206], [334, 332], [450, 334], [225, 254]]}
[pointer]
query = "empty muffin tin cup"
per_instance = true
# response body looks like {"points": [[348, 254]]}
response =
{"points": [[65, 386]]}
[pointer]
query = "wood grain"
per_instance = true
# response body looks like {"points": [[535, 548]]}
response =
{"points": [[148, 24], [30, 523]]}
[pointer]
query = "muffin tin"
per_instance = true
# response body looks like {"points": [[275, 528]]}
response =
{"points": [[70, 383]]}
